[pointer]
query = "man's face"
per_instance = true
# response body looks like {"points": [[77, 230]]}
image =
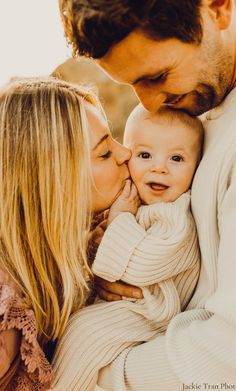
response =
{"points": [[190, 77]]}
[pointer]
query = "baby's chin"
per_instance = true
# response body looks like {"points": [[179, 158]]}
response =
{"points": [[150, 195], [151, 200]]}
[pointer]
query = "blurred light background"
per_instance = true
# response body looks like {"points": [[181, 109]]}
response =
{"points": [[31, 38], [32, 43]]}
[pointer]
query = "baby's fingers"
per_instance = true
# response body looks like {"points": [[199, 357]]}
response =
{"points": [[134, 195], [127, 188], [133, 191]]}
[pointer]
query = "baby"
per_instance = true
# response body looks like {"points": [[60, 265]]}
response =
{"points": [[154, 247]]}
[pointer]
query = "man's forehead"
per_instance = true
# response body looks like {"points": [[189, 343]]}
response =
{"points": [[138, 57]]}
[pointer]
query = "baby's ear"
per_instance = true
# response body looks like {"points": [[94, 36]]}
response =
{"points": [[221, 12]]}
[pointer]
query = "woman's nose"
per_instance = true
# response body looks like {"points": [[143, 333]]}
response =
{"points": [[124, 154]]}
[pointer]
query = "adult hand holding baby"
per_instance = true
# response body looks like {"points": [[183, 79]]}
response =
{"points": [[113, 291]]}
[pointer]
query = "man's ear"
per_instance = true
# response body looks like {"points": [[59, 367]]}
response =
{"points": [[221, 11]]}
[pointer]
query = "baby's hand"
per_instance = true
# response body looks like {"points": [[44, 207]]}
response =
{"points": [[128, 201]]}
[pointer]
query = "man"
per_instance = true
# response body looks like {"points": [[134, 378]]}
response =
{"points": [[179, 54]]}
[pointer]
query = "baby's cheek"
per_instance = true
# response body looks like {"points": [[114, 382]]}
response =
{"points": [[133, 167]]}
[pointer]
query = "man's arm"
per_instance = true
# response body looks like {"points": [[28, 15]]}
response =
{"points": [[144, 367]]}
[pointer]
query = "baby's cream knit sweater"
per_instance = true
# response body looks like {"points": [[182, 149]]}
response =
{"points": [[156, 250]]}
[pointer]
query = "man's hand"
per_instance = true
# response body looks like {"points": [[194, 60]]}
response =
{"points": [[128, 201], [113, 291]]}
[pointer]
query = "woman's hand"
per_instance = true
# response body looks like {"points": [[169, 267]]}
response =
{"points": [[113, 291], [128, 201]]}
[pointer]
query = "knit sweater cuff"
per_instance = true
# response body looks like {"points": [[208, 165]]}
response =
{"points": [[117, 246]]}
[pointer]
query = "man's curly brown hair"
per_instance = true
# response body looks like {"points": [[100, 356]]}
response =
{"points": [[92, 27]]}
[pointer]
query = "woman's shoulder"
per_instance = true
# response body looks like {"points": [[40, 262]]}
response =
{"points": [[10, 294], [7, 280]]}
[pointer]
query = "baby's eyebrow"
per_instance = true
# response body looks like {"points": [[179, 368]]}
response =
{"points": [[135, 145], [179, 148]]}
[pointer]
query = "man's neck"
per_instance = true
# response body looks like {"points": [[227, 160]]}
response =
{"points": [[232, 45]]}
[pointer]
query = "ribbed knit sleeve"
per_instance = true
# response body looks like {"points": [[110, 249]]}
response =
{"points": [[100, 333], [199, 348], [117, 246], [200, 344], [143, 368], [160, 244]]}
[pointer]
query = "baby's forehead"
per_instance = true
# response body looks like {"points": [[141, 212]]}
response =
{"points": [[143, 124], [151, 124], [162, 119], [162, 142]]}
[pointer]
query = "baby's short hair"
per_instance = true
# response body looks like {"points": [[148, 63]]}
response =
{"points": [[170, 115]]}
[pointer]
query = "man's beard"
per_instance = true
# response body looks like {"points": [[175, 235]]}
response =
{"points": [[204, 99], [200, 100]]}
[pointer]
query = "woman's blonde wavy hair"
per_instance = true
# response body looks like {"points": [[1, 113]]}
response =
{"points": [[45, 195]]}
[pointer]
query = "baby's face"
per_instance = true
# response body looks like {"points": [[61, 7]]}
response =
{"points": [[164, 158]]}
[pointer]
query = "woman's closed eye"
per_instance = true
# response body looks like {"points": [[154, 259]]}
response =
{"points": [[177, 158], [144, 155], [106, 155]]}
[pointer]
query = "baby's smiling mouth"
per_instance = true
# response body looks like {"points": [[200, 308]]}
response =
{"points": [[157, 186]]}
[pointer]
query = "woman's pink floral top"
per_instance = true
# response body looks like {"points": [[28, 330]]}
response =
{"points": [[23, 365]]}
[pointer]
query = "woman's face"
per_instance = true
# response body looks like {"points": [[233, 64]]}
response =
{"points": [[109, 161]]}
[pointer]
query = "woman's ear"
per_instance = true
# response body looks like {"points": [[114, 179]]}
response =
{"points": [[221, 11]]}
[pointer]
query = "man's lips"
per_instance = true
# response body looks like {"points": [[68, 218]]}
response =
{"points": [[157, 186]]}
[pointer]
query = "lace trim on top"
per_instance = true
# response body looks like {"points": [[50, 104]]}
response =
{"points": [[35, 372]]}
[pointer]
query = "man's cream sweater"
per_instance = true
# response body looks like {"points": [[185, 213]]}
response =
{"points": [[157, 250], [199, 349]]}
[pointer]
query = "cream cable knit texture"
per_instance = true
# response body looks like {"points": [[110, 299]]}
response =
{"points": [[158, 251], [200, 344]]}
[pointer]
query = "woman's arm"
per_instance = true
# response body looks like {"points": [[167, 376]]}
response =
{"points": [[9, 348], [9, 339]]}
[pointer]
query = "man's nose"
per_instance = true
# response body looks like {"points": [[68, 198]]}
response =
{"points": [[151, 100]]}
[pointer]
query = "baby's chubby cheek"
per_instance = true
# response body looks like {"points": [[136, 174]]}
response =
{"points": [[136, 171], [133, 167], [132, 173], [138, 183]]}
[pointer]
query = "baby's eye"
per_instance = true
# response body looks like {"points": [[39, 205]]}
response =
{"points": [[176, 158], [144, 155]]}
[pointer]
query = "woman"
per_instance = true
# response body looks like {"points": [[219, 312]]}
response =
{"points": [[50, 131]]}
